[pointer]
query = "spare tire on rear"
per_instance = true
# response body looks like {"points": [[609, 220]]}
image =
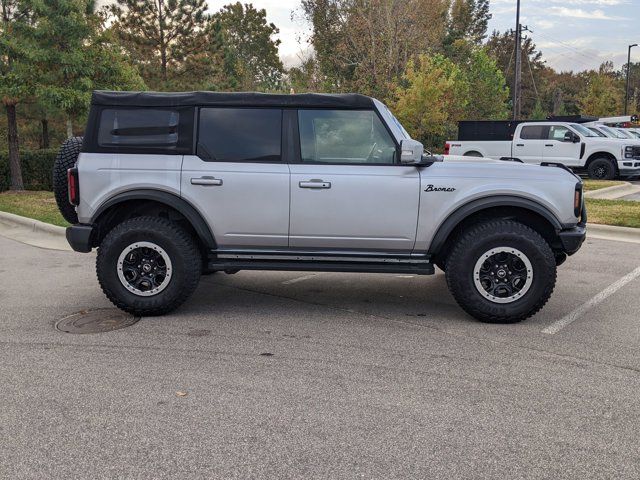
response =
{"points": [[66, 159]]}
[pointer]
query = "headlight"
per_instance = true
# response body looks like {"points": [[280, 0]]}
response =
{"points": [[628, 152]]}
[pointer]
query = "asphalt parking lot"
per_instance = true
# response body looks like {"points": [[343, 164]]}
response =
{"points": [[298, 375]]}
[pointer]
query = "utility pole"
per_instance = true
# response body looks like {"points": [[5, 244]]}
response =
{"points": [[626, 92], [517, 77]]}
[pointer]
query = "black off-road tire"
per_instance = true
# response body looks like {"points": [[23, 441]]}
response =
{"points": [[185, 256], [478, 240], [602, 169], [66, 159]]}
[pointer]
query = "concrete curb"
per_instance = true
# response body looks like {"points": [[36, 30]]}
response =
{"points": [[614, 192], [33, 232], [618, 234]]}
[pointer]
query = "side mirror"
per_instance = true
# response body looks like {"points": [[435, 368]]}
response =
{"points": [[411, 152], [571, 137]]}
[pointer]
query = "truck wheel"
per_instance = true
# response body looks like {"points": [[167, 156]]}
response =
{"points": [[602, 169], [66, 159], [148, 266], [501, 271]]}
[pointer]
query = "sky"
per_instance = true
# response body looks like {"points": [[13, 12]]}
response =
{"points": [[572, 34]]}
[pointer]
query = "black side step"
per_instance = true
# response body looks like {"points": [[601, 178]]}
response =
{"points": [[322, 266]]}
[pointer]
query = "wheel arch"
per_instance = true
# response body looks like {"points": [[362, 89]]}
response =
{"points": [[520, 209], [155, 202]]}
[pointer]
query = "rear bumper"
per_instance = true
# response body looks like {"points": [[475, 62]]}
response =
{"points": [[79, 237]]}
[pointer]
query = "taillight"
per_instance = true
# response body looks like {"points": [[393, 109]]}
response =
{"points": [[577, 200], [73, 186], [447, 147]]}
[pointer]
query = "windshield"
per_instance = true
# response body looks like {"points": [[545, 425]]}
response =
{"points": [[398, 124], [597, 132], [625, 133], [634, 133], [583, 130], [613, 133]]}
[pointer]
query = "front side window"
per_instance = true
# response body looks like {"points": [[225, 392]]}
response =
{"points": [[557, 132], [139, 127], [240, 134], [344, 136], [534, 132]]}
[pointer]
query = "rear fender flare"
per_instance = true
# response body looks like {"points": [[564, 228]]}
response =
{"points": [[179, 204]]}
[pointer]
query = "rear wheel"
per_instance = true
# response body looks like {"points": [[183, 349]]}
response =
{"points": [[148, 266], [501, 271], [601, 169]]}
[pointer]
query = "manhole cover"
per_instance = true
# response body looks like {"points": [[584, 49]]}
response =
{"points": [[96, 321]]}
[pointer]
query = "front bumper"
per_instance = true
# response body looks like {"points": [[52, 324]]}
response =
{"points": [[573, 238], [79, 237]]}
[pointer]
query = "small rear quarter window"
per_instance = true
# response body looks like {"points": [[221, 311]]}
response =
{"points": [[141, 127]]}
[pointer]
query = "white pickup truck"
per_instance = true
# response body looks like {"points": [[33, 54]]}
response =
{"points": [[566, 143]]}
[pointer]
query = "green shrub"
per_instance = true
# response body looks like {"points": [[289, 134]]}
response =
{"points": [[37, 168]]}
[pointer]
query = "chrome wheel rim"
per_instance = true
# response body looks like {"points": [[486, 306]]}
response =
{"points": [[144, 269], [503, 275]]}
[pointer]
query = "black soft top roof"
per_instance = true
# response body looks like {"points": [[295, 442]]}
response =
{"points": [[250, 99]]}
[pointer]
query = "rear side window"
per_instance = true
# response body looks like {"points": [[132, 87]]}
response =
{"points": [[240, 134], [534, 132], [140, 127]]}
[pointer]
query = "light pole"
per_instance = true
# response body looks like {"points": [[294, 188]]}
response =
{"points": [[626, 92], [516, 75]]}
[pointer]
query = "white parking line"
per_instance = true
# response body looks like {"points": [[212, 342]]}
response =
{"points": [[299, 279], [599, 298]]}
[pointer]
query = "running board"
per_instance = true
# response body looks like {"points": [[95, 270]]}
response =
{"points": [[335, 261]]}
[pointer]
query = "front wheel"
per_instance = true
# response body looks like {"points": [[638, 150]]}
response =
{"points": [[501, 271], [601, 169], [148, 266]]}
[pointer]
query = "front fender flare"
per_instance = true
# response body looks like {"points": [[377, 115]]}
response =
{"points": [[464, 211]]}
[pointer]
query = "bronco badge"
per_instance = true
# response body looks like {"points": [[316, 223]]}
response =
{"points": [[431, 188]]}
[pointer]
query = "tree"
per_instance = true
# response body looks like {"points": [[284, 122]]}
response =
{"points": [[250, 40], [432, 95], [468, 20], [73, 56], [159, 35], [364, 45], [488, 92], [501, 47], [16, 76], [604, 94]]}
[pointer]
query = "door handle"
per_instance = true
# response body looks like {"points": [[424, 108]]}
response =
{"points": [[207, 181], [548, 144], [519, 144], [314, 184]]}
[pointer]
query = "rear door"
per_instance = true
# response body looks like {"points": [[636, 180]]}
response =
{"points": [[557, 149], [529, 144], [238, 179], [348, 191]]}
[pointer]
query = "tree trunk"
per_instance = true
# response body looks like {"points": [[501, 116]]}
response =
{"points": [[14, 152], [163, 45], [45, 133], [69, 127]]}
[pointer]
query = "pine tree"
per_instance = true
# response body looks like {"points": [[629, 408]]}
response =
{"points": [[468, 20], [160, 36]]}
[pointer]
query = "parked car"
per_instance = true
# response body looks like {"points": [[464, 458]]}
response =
{"points": [[569, 144], [169, 186]]}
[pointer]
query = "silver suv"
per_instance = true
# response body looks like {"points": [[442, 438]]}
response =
{"points": [[169, 186]]}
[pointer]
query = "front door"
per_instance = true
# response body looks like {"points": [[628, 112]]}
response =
{"points": [[239, 180], [557, 149], [347, 189]]}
